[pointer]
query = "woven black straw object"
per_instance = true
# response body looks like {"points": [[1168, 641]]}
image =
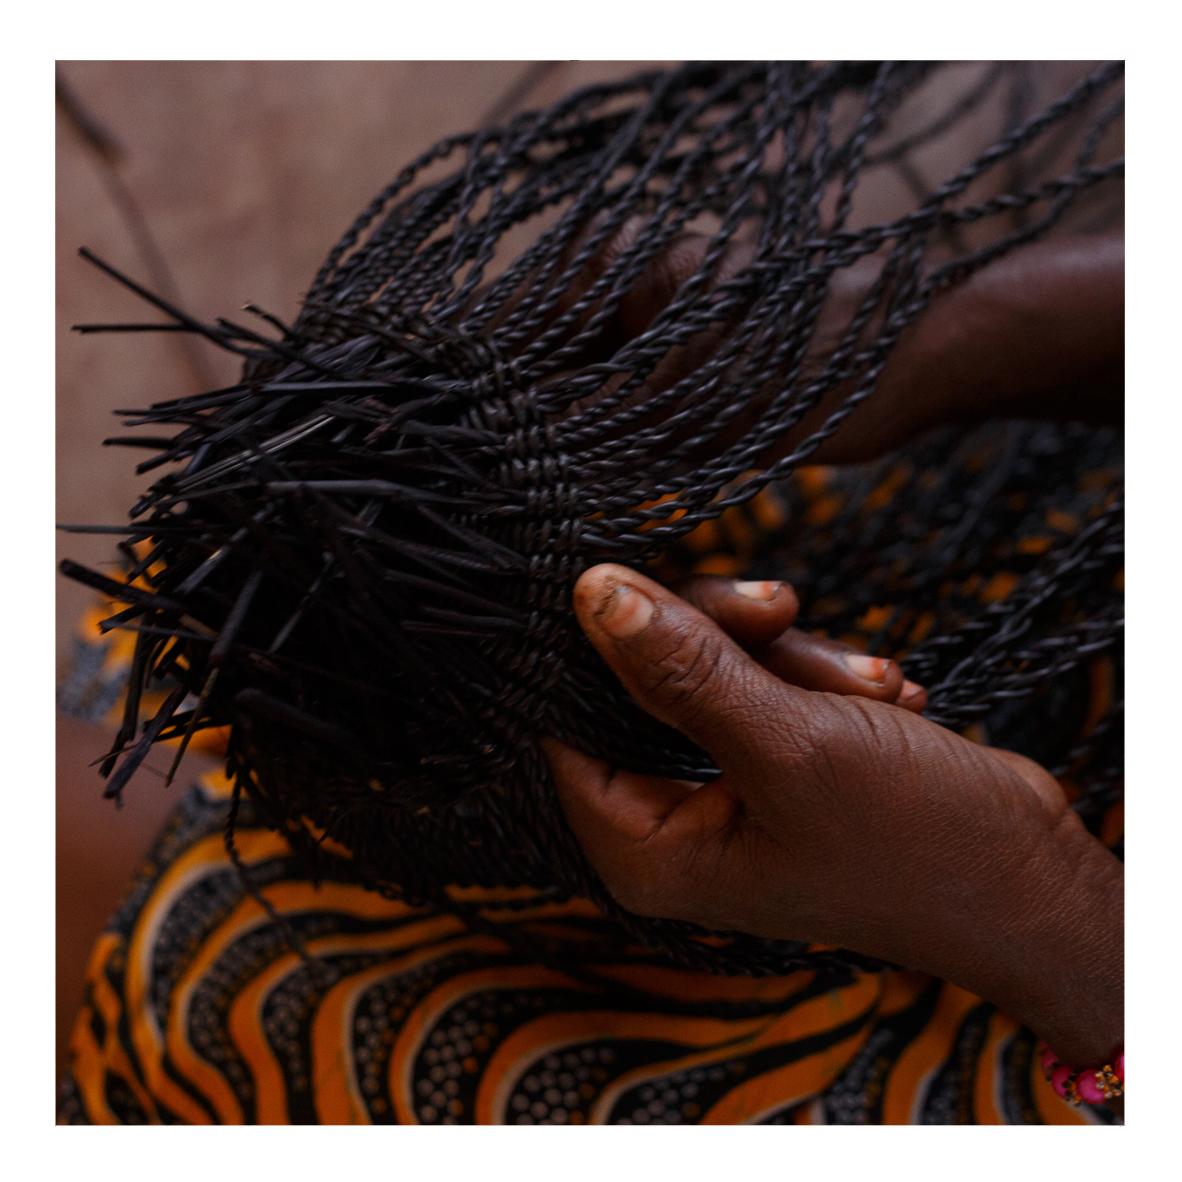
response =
{"points": [[360, 557]]}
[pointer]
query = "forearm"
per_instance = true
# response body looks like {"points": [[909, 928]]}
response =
{"points": [[1039, 335]]}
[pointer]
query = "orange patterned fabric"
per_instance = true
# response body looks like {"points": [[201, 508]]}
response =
{"points": [[199, 1010]]}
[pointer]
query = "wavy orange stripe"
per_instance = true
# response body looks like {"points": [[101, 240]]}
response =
{"points": [[90, 1071], [204, 857], [333, 1071], [902, 1089], [114, 1053], [987, 1109], [754, 1099], [742, 1038], [440, 1000], [288, 897], [245, 1024], [556, 1032]]}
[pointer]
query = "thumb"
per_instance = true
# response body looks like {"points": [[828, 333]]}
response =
{"points": [[680, 666]]}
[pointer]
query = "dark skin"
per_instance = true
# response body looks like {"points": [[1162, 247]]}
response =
{"points": [[842, 816]]}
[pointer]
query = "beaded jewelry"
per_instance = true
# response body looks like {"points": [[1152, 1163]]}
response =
{"points": [[1088, 1085]]}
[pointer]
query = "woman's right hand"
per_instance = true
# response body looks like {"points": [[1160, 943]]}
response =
{"points": [[843, 820]]}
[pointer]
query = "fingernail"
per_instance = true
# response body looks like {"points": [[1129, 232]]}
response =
{"points": [[625, 611], [868, 668], [765, 590], [911, 690]]}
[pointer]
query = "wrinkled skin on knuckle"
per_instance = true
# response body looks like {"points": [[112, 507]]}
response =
{"points": [[682, 676], [883, 741], [841, 767], [803, 743]]}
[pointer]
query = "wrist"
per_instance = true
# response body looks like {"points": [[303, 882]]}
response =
{"points": [[1058, 962]]}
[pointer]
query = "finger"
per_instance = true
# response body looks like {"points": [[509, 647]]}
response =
{"points": [[752, 613], [653, 290], [759, 615], [818, 663], [658, 284], [680, 666], [641, 834], [607, 805], [913, 697]]}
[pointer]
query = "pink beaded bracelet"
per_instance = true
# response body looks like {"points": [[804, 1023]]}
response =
{"points": [[1091, 1085]]}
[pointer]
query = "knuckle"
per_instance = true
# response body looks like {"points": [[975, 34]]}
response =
{"points": [[878, 739], [684, 675], [809, 733], [837, 741], [879, 729]]}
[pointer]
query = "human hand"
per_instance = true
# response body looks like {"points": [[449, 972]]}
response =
{"points": [[1039, 334], [842, 820]]}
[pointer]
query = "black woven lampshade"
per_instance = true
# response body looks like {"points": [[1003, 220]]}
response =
{"points": [[360, 557]]}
